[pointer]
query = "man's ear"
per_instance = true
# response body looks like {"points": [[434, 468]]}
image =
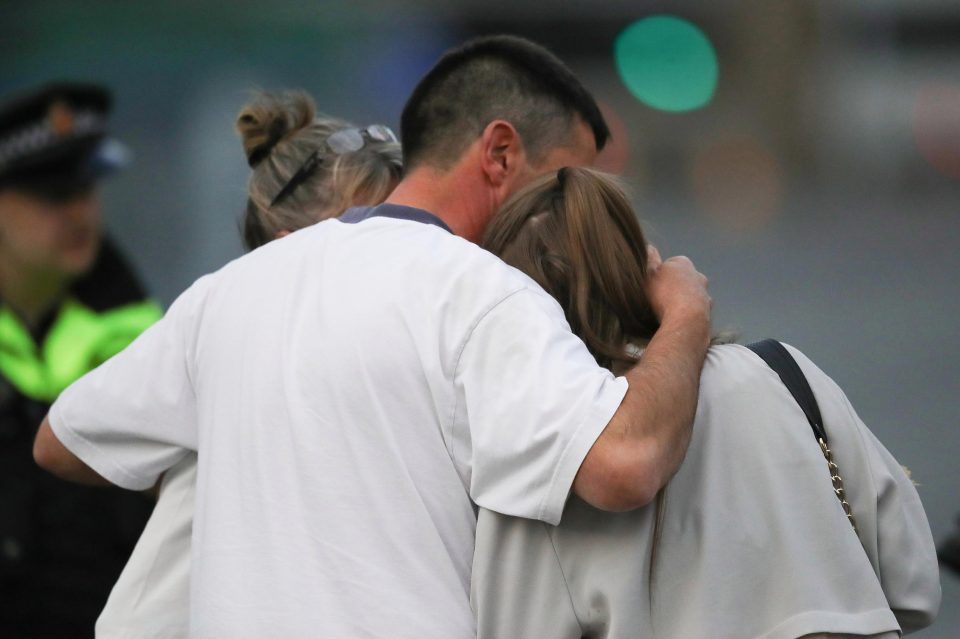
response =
{"points": [[502, 152]]}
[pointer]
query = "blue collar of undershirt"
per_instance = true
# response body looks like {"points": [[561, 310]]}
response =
{"points": [[396, 211]]}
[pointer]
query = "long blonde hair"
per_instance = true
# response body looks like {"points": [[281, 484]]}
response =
{"points": [[280, 131], [575, 234]]}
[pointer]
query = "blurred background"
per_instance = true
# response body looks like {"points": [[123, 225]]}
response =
{"points": [[805, 154]]}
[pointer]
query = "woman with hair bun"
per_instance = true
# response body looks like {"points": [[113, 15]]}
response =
{"points": [[748, 539], [305, 168]]}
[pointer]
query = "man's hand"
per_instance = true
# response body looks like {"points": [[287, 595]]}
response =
{"points": [[676, 289]]}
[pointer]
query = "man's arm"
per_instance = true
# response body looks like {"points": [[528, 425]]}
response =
{"points": [[51, 455], [646, 439]]}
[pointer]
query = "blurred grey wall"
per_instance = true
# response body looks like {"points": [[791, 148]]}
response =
{"points": [[819, 188]]}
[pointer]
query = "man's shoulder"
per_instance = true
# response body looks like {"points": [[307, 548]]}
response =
{"points": [[437, 252], [466, 265]]}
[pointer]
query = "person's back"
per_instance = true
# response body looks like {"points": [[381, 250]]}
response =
{"points": [[351, 505], [334, 490], [752, 541], [357, 166], [748, 539]]}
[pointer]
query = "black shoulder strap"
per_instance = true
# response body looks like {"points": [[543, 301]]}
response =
{"points": [[779, 359]]}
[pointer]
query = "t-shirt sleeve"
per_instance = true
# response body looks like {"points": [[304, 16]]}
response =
{"points": [[135, 415], [531, 401]]}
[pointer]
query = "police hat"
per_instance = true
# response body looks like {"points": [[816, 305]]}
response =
{"points": [[53, 140]]}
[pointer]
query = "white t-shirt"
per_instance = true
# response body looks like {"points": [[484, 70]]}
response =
{"points": [[754, 543], [151, 599], [352, 390]]}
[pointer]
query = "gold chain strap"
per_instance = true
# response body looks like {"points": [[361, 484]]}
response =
{"points": [[838, 483]]}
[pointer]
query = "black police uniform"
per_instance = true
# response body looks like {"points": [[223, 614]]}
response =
{"points": [[62, 546]]}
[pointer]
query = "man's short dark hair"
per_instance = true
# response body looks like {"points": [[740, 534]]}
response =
{"points": [[490, 78]]}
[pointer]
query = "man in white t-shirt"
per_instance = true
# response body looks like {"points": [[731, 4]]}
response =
{"points": [[357, 388]]}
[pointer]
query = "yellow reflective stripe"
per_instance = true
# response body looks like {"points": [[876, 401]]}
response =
{"points": [[68, 348], [19, 360], [79, 341], [124, 324]]}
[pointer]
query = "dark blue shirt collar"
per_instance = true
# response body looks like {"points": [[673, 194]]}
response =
{"points": [[396, 211]]}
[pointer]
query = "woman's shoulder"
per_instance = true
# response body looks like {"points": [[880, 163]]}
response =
{"points": [[728, 366], [736, 381]]}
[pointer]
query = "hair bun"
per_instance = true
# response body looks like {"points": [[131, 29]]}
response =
{"points": [[270, 118]]}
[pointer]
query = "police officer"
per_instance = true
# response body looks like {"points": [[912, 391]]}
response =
{"points": [[68, 301]]}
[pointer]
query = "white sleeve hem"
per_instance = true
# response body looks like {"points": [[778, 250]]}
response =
{"points": [[90, 454], [604, 407]]}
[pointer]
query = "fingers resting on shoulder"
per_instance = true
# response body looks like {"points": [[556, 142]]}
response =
{"points": [[677, 288]]}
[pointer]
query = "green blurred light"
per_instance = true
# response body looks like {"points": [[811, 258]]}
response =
{"points": [[667, 63]]}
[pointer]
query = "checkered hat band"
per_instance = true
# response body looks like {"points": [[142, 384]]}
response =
{"points": [[40, 136]]}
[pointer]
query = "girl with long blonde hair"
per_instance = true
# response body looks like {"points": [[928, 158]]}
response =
{"points": [[748, 539]]}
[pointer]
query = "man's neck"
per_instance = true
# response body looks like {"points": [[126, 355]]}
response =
{"points": [[446, 194]]}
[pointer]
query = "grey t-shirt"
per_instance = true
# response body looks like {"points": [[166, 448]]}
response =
{"points": [[753, 541]]}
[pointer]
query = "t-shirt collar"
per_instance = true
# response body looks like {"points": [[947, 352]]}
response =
{"points": [[396, 211]]}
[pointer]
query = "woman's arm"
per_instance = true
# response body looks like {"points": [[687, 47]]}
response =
{"points": [[893, 527]]}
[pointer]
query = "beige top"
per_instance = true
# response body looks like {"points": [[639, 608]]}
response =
{"points": [[754, 542]]}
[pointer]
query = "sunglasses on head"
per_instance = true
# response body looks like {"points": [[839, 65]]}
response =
{"points": [[338, 143]]}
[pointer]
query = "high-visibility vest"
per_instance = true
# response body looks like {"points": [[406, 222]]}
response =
{"points": [[79, 340], [103, 311]]}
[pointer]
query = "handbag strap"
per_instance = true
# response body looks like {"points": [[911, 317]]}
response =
{"points": [[782, 362], [779, 359]]}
